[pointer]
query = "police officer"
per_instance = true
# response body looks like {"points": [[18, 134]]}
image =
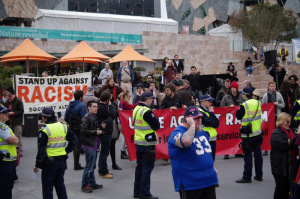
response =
{"points": [[250, 114], [295, 113], [8, 155], [145, 139], [210, 121], [52, 154]]}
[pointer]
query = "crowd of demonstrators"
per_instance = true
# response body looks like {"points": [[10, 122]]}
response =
{"points": [[232, 97], [278, 73], [249, 66], [75, 111]]}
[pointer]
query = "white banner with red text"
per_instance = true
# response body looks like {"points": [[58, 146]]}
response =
{"points": [[55, 92], [228, 138]]}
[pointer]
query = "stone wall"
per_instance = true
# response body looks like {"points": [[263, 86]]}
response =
{"points": [[210, 54]]}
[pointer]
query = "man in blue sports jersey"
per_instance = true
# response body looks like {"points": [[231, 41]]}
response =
{"points": [[192, 163]]}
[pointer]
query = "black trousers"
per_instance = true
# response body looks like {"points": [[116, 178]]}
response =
{"points": [[112, 151], [213, 145], [77, 149], [282, 187], [206, 193]]}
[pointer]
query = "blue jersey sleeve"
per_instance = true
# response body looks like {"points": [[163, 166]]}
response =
{"points": [[175, 138]]}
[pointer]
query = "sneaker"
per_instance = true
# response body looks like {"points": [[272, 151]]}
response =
{"points": [[97, 186], [165, 162], [86, 189], [258, 179], [107, 176], [242, 180]]}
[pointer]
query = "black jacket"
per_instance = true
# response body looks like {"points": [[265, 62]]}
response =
{"points": [[179, 67], [168, 102], [278, 76], [88, 130], [18, 109], [281, 160], [106, 113], [185, 96], [195, 81]]}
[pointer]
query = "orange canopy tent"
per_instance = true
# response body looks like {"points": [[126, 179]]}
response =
{"points": [[129, 54], [27, 51], [82, 51], [86, 60]]}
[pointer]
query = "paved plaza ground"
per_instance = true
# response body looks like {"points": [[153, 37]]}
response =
{"points": [[121, 187]]}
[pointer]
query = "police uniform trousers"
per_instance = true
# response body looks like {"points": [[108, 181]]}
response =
{"points": [[142, 172], [253, 146], [7, 172], [54, 176]]}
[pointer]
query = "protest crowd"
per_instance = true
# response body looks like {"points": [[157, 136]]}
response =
{"points": [[91, 126]]}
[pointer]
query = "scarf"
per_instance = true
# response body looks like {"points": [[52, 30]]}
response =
{"points": [[271, 96]]}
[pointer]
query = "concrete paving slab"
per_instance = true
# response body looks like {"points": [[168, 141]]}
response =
{"points": [[121, 187]]}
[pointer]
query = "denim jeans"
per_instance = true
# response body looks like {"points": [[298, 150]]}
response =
{"points": [[249, 70], [88, 177], [105, 141]]}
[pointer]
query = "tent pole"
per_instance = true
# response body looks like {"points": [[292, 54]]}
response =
{"points": [[83, 64], [27, 64]]}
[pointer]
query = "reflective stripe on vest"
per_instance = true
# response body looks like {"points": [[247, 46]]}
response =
{"points": [[297, 116], [211, 130], [56, 133], [6, 147], [141, 127], [250, 107]]}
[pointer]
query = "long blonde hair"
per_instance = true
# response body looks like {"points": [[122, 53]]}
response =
{"points": [[124, 94], [282, 117]]}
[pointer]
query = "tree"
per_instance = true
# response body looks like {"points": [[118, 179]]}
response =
{"points": [[266, 24]]}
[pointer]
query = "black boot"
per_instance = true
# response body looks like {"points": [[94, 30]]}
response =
{"points": [[116, 167], [124, 155]]}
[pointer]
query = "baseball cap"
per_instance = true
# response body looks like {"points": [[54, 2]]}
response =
{"points": [[146, 95], [193, 112], [90, 88], [247, 91], [3, 109], [48, 112], [206, 98]]}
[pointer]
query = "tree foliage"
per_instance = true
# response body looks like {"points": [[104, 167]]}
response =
{"points": [[266, 24]]}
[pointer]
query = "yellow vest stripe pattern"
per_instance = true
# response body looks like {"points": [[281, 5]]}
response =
{"points": [[141, 127], [56, 133], [253, 116], [6, 147], [297, 116], [211, 130]]}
